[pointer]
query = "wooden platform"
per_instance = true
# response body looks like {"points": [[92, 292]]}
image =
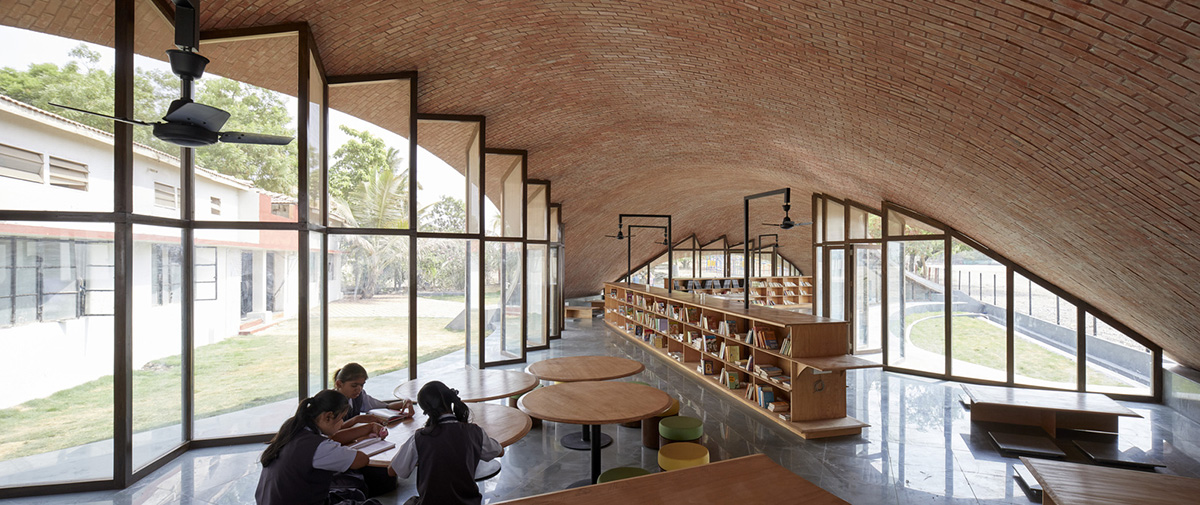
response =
{"points": [[1035, 445], [749, 480], [1075, 484], [1108, 454], [1051, 410]]}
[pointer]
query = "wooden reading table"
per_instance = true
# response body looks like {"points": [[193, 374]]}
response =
{"points": [[474, 385], [592, 404], [1075, 484], [584, 368], [505, 424], [748, 479], [1052, 410]]}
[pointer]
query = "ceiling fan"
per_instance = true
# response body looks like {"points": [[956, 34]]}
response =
{"points": [[787, 222], [187, 123], [618, 236]]}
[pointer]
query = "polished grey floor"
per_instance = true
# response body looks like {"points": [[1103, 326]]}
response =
{"points": [[921, 447]]}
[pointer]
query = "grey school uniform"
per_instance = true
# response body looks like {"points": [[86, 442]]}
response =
{"points": [[445, 461], [363, 404], [303, 471]]}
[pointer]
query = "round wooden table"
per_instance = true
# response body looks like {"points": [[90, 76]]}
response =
{"points": [[592, 404], [584, 368], [474, 385], [503, 423]]}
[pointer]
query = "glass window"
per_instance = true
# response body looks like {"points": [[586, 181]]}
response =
{"points": [[246, 340], [916, 308], [505, 189], [868, 292], [554, 225], [1045, 336], [837, 283], [368, 154], [819, 221], [157, 177], [737, 264], [316, 102], [536, 308], [818, 291], [979, 325], [369, 308], [448, 301], [448, 161], [502, 297], [712, 259], [1116, 363], [47, 163], [556, 304], [835, 221], [316, 287], [902, 225], [41, 265], [157, 343], [865, 224], [254, 79], [538, 208]]}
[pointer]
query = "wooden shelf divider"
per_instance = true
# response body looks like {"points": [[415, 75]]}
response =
{"points": [[798, 359]]}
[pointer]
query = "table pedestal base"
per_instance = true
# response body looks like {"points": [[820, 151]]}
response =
{"points": [[487, 469], [582, 442]]}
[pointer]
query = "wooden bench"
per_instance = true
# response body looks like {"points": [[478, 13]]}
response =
{"points": [[749, 479], [1075, 484], [1051, 410], [580, 312]]}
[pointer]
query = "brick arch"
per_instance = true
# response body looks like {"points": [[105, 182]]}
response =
{"points": [[1064, 135]]}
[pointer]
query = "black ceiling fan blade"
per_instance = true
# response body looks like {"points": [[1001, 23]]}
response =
{"points": [[254, 138], [205, 116], [114, 118]]}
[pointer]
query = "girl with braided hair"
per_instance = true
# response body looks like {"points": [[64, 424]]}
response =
{"points": [[300, 462], [446, 451]]}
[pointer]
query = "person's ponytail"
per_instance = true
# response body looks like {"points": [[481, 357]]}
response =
{"points": [[305, 417], [437, 400]]}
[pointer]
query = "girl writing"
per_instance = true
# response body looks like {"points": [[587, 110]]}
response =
{"points": [[300, 462], [446, 451], [350, 380]]}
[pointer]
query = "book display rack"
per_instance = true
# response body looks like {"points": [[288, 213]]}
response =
{"points": [[786, 292], [790, 367]]}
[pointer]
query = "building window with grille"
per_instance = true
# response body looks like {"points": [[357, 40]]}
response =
{"points": [[167, 274], [68, 174], [215, 204], [41, 280], [165, 195], [20, 164]]}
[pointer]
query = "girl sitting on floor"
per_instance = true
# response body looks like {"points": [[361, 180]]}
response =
{"points": [[301, 460], [446, 451]]}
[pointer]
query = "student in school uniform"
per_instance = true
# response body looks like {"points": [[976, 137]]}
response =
{"points": [[300, 462], [445, 452], [349, 381]]}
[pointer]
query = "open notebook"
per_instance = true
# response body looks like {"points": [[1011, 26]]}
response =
{"points": [[388, 415], [372, 446]]}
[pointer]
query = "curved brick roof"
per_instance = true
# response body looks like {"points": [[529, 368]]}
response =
{"points": [[1064, 135]]}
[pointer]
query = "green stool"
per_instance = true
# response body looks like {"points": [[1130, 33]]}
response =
{"points": [[635, 424], [621, 472], [512, 402], [650, 426], [679, 429]]}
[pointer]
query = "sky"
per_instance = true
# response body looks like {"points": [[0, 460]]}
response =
{"points": [[40, 48]]}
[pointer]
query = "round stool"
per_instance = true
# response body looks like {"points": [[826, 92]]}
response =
{"points": [[621, 472], [634, 424], [512, 402], [650, 425], [679, 429], [680, 455]]}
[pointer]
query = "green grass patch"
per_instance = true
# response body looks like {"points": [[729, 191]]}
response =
{"points": [[982, 343], [234, 374]]}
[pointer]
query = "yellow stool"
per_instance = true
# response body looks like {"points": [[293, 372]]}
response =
{"points": [[680, 455]]}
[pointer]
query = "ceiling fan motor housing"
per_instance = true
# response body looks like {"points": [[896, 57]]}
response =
{"points": [[184, 134]]}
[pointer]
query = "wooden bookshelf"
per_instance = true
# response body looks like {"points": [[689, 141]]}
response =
{"points": [[785, 292], [718, 339]]}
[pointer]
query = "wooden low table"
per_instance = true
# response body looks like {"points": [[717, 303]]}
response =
{"points": [[1051, 410], [592, 404], [584, 368], [579, 312], [748, 479], [1075, 484], [505, 424], [474, 385]]}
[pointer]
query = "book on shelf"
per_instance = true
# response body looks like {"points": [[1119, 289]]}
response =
{"points": [[741, 363], [711, 345], [785, 347], [732, 379], [372, 446], [767, 370], [780, 406], [766, 395], [389, 415], [732, 353], [676, 355], [708, 366], [786, 417]]}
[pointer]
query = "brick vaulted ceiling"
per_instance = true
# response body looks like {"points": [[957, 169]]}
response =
{"points": [[1065, 135]]}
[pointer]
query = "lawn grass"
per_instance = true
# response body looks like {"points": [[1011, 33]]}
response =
{"points": [[982, 343], [490, 298], [234, 374]]}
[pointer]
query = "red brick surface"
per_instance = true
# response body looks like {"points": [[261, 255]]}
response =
{"points": [[1063, 134]]}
